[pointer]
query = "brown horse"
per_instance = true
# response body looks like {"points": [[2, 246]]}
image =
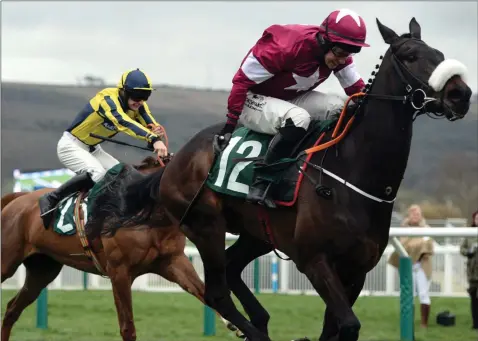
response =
{"points": [[337, 227], [7, 198], [126, 255]]}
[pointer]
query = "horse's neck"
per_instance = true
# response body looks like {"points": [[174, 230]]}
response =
{"points": [[378, 148]]}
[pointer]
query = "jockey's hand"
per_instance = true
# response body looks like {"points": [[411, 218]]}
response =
{"points": [[158, 130], [222, 139], [220, 142], [160, 148]]}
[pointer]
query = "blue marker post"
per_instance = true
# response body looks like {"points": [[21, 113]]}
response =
{"points": [[275, 275]]}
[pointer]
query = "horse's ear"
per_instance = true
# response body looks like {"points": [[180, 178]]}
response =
{"points": [[388, 35], [415, 29]]}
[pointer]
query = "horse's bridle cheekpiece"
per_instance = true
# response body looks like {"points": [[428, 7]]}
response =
{"points": [[415, 89]]}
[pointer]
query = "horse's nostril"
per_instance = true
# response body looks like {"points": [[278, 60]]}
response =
{"points": [[455, 94], [459, 94]]}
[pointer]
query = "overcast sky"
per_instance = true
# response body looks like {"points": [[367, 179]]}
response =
{"points": [[199, 44]]}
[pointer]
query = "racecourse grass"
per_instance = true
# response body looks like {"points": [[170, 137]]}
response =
{"points": [[91, 316]]}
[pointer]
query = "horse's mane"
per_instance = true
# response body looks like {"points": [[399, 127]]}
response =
{"points": [[121, 200], [148, 162]]}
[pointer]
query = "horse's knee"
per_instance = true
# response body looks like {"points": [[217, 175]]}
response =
{"points": [[349, 330], [214, 296]]}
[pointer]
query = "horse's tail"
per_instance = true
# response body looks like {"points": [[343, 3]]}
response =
{"points": [[8, 198]]}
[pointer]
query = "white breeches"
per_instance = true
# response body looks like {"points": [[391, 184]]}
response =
{"points": [[267, 114], [421, 284], [75, 155]]}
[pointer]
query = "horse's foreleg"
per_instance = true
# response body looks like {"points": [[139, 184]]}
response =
{"points": [[121, 281], [178, 269], [241, 253], [328, 285], [330, 331], [40, 271], [210, 242]]}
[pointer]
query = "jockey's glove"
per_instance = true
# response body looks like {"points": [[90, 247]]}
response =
{"points": [[220, 142], [222, 139], [153, 140]]}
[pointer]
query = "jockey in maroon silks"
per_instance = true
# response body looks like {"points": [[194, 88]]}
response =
{"points": [[272, 90]]}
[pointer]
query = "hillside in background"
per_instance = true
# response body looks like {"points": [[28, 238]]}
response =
{"points": [[33, 118]]}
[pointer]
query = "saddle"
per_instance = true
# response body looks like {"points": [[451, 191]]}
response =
{"points": [[233, 172], [74, 213]]}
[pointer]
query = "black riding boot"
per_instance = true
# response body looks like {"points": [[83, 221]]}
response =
{"points": [[49, 201], [280, 147]]}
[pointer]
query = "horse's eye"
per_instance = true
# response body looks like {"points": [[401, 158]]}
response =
{"points": [[411, 58]]}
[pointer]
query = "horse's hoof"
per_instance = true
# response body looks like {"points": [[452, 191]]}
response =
{"points": [[240, 335], [231, 327], [302, 339]]}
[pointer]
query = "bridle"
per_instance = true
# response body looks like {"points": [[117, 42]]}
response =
{"points": [[415, 90]]}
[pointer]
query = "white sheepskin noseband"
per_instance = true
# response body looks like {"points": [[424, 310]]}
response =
{"points": [[444, 71]]}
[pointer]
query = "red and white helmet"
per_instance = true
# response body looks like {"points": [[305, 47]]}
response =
{"points": [[344, 26]]}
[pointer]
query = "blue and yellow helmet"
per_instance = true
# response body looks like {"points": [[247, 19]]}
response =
{"points": [[136, 84]]}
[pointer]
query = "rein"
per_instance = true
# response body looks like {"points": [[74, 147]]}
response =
{"points": [[415, 96], [162, 135]]}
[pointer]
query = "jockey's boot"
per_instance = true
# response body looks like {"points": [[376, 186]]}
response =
{"points": [[280, 147], [49, 201]]}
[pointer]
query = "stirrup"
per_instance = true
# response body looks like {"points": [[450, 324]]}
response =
{"points": [[263, 200]]}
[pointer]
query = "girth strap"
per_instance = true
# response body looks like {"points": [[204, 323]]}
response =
{"points": [[82, 235]]}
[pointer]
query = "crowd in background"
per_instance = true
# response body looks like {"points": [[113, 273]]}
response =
{"points": [[421, 251], [469, 249]]}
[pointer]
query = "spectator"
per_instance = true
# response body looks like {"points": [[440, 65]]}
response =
{"points": [[469, 249], [420, 250]]}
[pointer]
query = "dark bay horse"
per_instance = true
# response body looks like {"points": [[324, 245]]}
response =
{"points": [[335, 237], [125, 254]]}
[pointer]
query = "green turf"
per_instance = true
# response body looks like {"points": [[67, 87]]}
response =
{"points": [[90, 315]]}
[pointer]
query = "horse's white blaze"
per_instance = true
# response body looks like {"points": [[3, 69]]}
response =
{"points": [[444, 71]]}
